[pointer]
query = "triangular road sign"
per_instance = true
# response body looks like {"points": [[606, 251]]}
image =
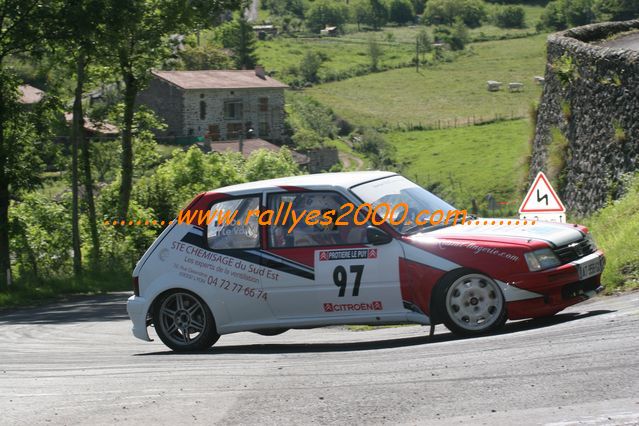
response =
{"points": [[541, 198]]}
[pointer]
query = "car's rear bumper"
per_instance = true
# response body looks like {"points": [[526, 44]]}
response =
{"points": [[137, 308]]}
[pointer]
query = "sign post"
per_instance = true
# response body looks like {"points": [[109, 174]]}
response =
{"points": [[542, 203]]}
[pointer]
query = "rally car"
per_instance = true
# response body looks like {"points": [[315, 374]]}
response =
{"points": [[200, 280]]}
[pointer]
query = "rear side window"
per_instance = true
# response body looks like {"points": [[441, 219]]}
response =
{"points": [[231, 226]]}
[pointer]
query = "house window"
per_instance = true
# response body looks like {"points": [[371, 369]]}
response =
{"points": [[233, 130], [232, 110], [202, 110], [263, 104], [263, 129]]}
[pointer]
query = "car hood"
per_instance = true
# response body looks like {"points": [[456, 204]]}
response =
{"points": [[556, 234]]}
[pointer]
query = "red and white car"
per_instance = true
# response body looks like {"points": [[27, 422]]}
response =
{"points": [[197, 282]]}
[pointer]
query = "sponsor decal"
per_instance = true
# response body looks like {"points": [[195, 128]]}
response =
{"points": [[348, 254], [375, 305], [478, 249]]}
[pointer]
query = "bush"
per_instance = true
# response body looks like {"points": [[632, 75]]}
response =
{"points": [[553, 17], [310, 65], [510, 17], [401, 11], [438, 12], [561, 14], [264, 164], [377, 149], [460, 36]]}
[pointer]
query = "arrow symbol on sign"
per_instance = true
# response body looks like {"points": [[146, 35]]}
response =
{"points": [[545, 198]]}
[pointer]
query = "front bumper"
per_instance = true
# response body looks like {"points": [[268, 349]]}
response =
{"points": [[557, 288], [137, 307]]}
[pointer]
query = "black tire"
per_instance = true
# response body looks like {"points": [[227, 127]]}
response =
{"points": [[271, 331], [469, 303], [184, 322]]}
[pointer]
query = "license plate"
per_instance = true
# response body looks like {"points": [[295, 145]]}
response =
{"points": [[589, 267]]}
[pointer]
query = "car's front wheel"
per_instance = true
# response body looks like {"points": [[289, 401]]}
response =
{"points": [[471, 304], [184, 322]]}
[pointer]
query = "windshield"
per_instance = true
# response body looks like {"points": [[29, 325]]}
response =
{"points": [[401, 195]]}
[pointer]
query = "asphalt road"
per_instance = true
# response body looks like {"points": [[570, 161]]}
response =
{"points": [[77, 363], [630, 42]]}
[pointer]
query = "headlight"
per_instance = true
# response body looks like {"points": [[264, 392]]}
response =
{"points": [[541, 259], [591, 241]]}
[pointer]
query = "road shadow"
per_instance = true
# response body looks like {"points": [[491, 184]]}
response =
{"points": [[282, 348], [82, 308]]}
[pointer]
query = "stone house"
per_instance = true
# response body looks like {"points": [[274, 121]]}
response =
{"points": [[217, 105]]}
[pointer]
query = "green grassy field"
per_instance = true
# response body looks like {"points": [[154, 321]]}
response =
{"points": [[468, 162], [280, 54], [613, 228], [443, 92]]}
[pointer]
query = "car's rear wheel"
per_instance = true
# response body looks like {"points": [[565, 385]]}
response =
{"points": [[184, 322], [472, 304]]}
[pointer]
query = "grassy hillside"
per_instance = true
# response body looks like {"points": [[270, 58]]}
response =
{"points": [[445, 91], [342, 55], [469, 162], [615, 229]]}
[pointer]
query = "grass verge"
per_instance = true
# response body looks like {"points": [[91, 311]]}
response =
{"points": [[23, 293], [616, 230]]}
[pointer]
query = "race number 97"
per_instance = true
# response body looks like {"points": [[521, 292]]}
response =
{"points": [[340, 278]]}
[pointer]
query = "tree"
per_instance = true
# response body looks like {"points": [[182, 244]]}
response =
{"points": [[23, 24], [561, 14], [510, 17], [81, 37], [418, 6], [238, 35], [459, 36], [138, 31], [310, 65], [424, 43], [361, 12], [579, 12], [375, 52], [401, 11], [379, 16], [324, 13], [205, 57], [445, 12], [616, 10]]}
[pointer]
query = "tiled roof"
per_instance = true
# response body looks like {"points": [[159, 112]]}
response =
{"points": [[218, 79]]}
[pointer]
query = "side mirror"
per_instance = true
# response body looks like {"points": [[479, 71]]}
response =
{"points": [[376, 236]]}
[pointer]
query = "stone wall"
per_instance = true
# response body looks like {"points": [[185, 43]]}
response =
{"points": [[321, 159], [215, 98], [587, 134], [167, 101]]}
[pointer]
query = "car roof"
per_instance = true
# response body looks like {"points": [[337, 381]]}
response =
{"points": [[319, 180]]}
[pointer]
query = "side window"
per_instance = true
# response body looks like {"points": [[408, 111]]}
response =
{"points": [[232, 226], [320, 230]]}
